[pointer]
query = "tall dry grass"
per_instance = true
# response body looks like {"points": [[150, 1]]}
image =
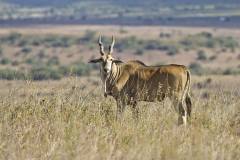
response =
{"points": [[70, 119]]}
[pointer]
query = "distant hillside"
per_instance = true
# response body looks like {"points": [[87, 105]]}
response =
{"points": [[150, 12], [119, 2], [40, 2]]}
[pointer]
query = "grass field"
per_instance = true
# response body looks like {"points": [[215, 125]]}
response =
{"points": [[70, 119]]}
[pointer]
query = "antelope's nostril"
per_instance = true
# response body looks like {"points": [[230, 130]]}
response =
{"points": [[105, 70]]}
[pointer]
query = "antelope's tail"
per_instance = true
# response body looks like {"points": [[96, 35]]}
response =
{"points": [[187, 94]]}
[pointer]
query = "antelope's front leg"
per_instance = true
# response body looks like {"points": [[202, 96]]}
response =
{"points": [[120, 109], [134, 108]]}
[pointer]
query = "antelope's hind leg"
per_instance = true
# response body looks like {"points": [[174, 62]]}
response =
{"points": [[189, 105], [182, 112]]}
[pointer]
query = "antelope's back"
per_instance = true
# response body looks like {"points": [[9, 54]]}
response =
{"points": [[165, 78]]}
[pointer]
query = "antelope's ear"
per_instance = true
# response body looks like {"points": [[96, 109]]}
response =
{"points": [[117, 61], [95, 60]]}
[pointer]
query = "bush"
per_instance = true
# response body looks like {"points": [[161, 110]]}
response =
{"points": [[89, 36], [41, 54], [139, 52], [210, 43], [196, 68], [5, 61], [213, 57], [64, 42], [44, 73], [36, 42], [1, 51], [64, 70], [164, 35], [128, 43], [203, 39], [228, 42], [231, 71], [9, 74], [29, 61], [186, 42], [206, 34], [15, 63], [152, 45], [22, 43], [123, 31], [12, 38], [201, 55], [172, 51], [26, 50], [67, 41], [79, 69], [53, 61]]}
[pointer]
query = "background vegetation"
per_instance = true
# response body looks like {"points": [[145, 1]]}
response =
{"points": [[53, 56]]}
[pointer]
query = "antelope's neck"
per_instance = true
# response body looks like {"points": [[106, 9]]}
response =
{"points": [[110, 80]]}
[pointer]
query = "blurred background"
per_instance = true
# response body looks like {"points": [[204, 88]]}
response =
{"points": [[45, 39]]}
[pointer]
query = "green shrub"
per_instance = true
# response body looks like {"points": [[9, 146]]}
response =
{"points": [[89, 36], [15, 63], [201, 55], [22, 43], [1, 51], [64, 70], [128, 43], [210, 43], [29, 61], [196, 68], [36, 41], [228, 42], [139, 52], [26, 50], [152, 45], [231, 71], [12, 38], [10, 74], [67, 41], [79, 69], [213, 57], [123, 31], [5, 61], [41, 54], [203, 39], [164, 35], [44, 73], [205, 34], [187, 43], [58, 41], [53, 61], [172, 51]]}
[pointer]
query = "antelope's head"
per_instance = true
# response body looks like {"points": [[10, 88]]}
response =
{"points": [[106, 60]]}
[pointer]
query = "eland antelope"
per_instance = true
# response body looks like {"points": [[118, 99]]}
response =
{"points": [[134, 81]]}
